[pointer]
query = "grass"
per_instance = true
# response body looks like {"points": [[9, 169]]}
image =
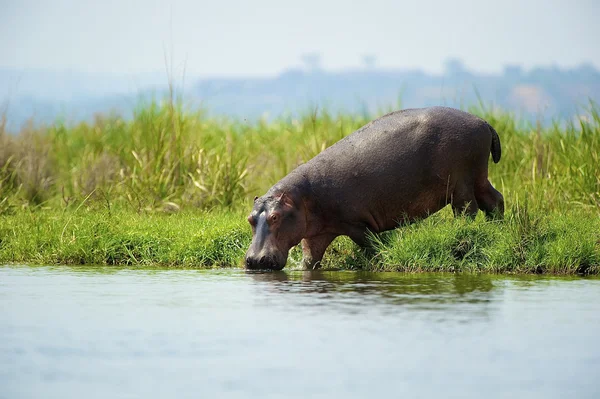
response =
{"points": [[201, 239], [171, 187], [523, 243]]}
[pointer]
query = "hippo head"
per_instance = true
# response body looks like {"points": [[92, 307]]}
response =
{"points": [[278, 223]]}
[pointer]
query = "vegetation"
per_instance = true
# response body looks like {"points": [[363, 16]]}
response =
{"points": [[171, 187]]}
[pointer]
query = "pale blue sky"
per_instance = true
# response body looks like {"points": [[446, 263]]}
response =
{"points": [[264, 37]]}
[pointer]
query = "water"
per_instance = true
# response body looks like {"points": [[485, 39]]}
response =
{"points": [[124, 333]]}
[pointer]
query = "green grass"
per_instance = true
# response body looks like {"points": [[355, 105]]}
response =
{"points": [[523, 243], [175, 157], [199, 239], [172, 186]]}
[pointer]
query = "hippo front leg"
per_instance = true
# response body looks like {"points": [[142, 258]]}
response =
{"points": [[313, 250]]}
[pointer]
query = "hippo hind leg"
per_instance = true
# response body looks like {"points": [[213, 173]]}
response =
{"points": [[489, 200], [464, 202]]}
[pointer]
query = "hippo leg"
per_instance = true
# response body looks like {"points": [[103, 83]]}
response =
{"points": [[464, 201], [313, 250], [490, 200]]}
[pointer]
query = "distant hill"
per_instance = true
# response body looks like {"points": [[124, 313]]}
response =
{"points": [[544, 92]]}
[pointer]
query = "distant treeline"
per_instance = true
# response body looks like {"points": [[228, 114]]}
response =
{"points": [[540, 94]]}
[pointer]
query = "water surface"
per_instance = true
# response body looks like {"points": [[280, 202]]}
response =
{"points": [[124, 333]]}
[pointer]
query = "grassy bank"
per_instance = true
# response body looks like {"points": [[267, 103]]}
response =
{"points": [[523, 243], [172, 187]]}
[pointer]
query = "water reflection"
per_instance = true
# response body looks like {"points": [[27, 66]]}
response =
{"points": [[437, 292]]}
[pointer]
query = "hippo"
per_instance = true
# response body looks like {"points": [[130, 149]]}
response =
{"points": [[397, 169]]}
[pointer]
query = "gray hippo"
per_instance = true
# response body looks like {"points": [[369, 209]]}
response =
{"points": [[399, 168]]}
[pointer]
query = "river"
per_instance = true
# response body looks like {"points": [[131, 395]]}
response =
{"points": [[105, 332]]}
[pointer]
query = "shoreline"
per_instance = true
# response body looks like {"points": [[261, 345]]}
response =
{"points": [[523, 243]]}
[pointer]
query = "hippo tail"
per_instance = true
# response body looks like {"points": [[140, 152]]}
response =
{"points": [[496, 148]]}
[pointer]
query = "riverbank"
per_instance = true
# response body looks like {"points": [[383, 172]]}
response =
{"points": [[525, 242], [172, 187]]}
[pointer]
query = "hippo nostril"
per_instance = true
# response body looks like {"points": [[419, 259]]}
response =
{"points": [[251, 263], [262, 261]]}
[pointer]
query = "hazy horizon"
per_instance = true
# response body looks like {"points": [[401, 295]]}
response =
{"points": [[265, 38], [71, 59]]}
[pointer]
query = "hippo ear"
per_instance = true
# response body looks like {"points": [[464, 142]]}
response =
{"points": [[286, 201], [255, 198]]}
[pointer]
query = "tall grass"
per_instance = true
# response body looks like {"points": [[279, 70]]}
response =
{"points": [[555, 167], [172, 157]]}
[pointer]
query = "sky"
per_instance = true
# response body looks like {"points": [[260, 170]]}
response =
{"points": [[265, 37]]}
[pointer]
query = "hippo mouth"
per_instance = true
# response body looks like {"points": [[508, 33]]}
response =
{"points": [[271, 262]]}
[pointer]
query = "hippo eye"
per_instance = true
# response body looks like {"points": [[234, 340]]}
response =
{"points": [[251, 220], [274, 217]]}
